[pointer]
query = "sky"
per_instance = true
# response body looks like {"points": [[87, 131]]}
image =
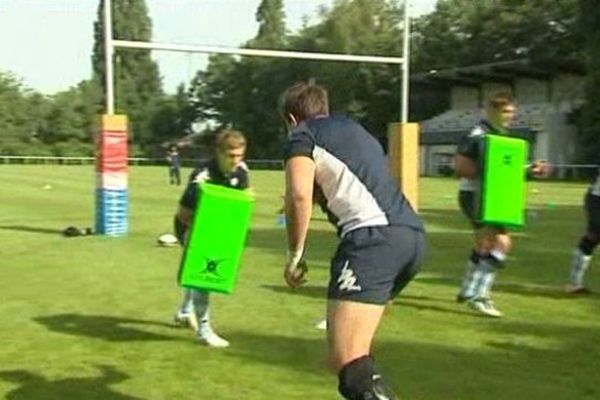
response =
{"points": [[47, 44]]}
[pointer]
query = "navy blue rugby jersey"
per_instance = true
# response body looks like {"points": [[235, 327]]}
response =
{"points": [[594, 188], [355, 187], [209, 172], [472, 146]]}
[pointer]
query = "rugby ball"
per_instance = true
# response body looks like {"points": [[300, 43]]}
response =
{"points": [[167, 240]]}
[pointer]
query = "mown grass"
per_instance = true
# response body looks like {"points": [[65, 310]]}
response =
{"points": [[90, 317]]}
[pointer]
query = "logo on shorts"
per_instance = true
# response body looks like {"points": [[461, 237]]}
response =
{"points": [[347, 279]]}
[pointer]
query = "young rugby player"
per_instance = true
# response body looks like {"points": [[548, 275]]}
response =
{"points": [[381, 238], [582, 255], [492, 242], [228, 169]]}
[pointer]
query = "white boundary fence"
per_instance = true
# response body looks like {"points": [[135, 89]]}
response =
{"points": [[561, 171], [186, 162]]}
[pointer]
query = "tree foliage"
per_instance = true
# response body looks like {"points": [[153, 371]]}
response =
{"points": [[243, 92], [271, 25], [590, 117], [173, 118], [465, 32], [22, 116]]}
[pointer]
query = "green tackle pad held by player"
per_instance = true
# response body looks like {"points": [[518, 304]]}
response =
{"points": [[503, 190], [212, 255]]}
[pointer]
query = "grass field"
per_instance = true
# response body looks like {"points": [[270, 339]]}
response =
{"points": [[90, 317]]}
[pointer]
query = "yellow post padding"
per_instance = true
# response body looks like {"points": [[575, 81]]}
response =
{"points": [[113, 123], [403, 155]]}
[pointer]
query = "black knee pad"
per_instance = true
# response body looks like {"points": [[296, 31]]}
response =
{"points": [[358, 380], [474, 257], [587, 244]]}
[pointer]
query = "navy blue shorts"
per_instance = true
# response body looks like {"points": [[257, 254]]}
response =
{"points": [[373, 264], [592, 210], [469, 205]]}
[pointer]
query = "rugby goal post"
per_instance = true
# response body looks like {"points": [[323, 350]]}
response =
{"points": [[402, 167]]}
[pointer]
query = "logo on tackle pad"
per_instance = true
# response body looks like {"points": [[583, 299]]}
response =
{"points": [[210, 272], [211, 266]]}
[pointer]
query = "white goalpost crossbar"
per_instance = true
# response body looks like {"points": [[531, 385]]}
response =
{"points": [[255, 52], [110, 44]]}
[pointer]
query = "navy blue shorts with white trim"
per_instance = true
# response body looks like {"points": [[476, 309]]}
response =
{"points": [[373, 264]]}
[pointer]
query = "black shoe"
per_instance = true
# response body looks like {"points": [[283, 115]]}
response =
{"points": [[571, 289], [461, 299]]}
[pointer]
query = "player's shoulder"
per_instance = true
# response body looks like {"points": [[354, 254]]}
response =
{"points": [[478, 131], [328, 123], [243, 167], [337, 132], [201, 172], [302, 131], [241, 175]]}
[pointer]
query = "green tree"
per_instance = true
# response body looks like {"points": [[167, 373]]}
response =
{"points": [[465, 32], [270, 16], [72, 118], [22, 117], [173, 118], [589, 137], [244, 93]]}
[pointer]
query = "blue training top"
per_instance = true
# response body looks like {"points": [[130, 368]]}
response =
{"points": [[351, 174], [209, 172]]}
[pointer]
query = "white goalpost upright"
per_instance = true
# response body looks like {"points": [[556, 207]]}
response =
{"points": [[405, 63], [108, 58], [403, 137]]}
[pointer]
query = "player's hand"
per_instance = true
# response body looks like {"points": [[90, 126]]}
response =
{"points": [[295, 269], [541, 169]]}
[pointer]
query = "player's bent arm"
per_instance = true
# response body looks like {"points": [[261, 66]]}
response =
{"points": [[539, 169], [300, 175], [185, 215], [465, 167]]}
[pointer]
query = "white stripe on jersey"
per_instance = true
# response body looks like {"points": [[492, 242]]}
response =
{"points": [[202, 176], [243, 166], [347, 197], [477, 131]]}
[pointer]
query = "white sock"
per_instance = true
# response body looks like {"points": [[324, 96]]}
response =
{"points": [[485, 280], [579, 265], [201, 308], [187, 305], [472, 273]]}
